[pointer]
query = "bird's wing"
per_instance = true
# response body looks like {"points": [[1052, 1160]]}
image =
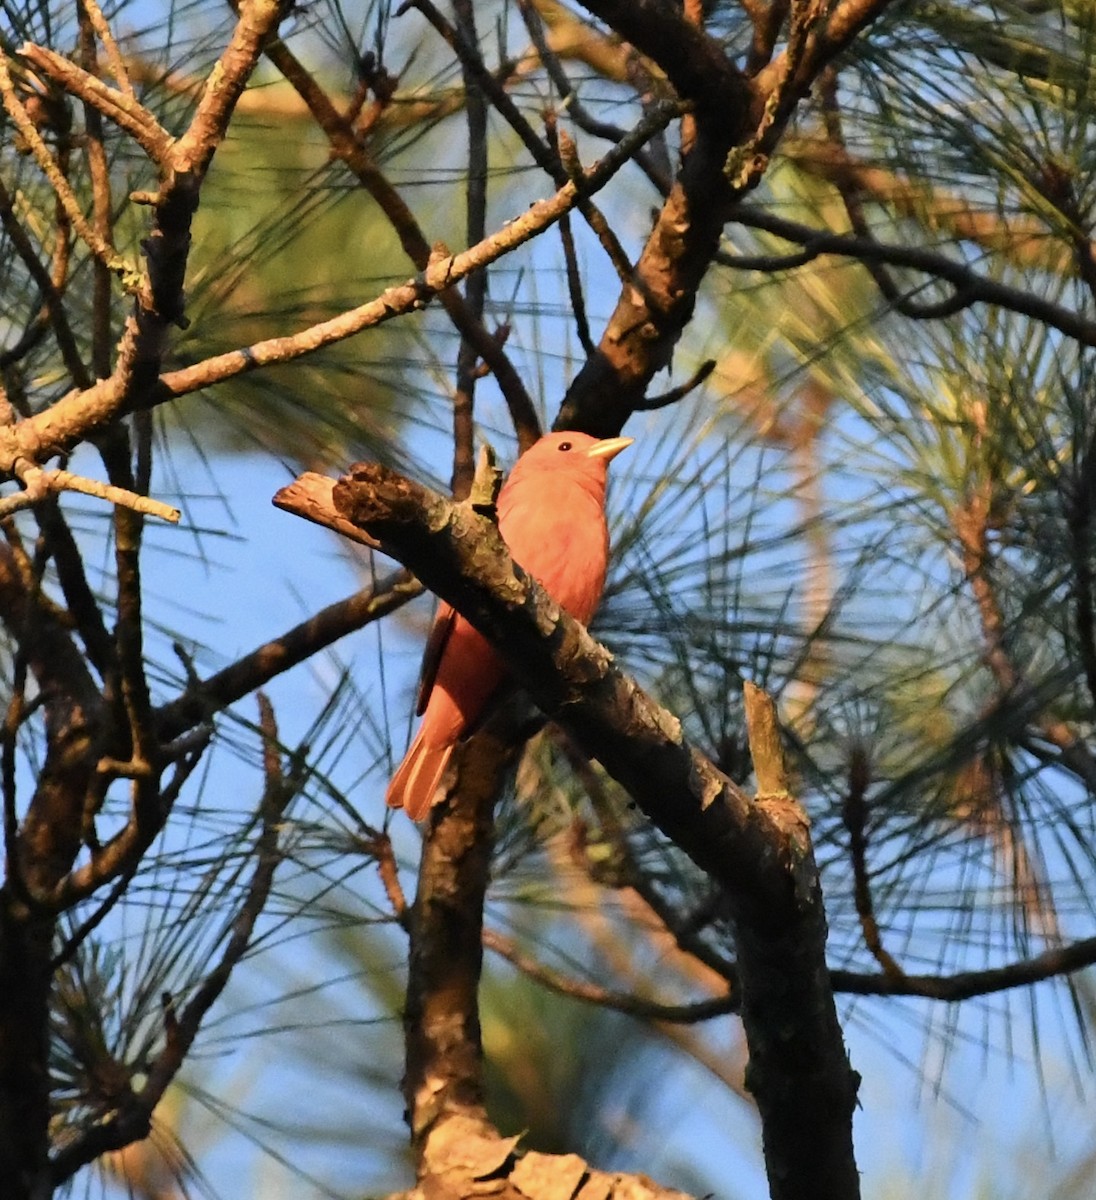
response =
{"points": [[431, 655]]}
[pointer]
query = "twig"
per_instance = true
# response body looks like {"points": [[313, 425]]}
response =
{"points": [[595, 218], [80, 599], [652, 403], [379, 846], [1077, 501], [119, 107], [815, 39], [766, 746], [38, 485], [257, 22], [854, 816], [682, 928], [574, 278], [975, 288], [592, 993], [475, 286], [347, 146], [87, 927], [16, 109], [114, 57], [129, 626]]}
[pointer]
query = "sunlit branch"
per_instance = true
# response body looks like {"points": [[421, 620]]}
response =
{"points": [[94, 14], [39, 484], [74, 416], [758, 851], [443, 272], [347, 145], [119, 107]]}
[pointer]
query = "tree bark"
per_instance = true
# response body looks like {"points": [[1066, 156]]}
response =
{"points": [[758, 850]]}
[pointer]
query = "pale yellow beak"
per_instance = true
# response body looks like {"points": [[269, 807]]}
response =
{"points": [[609, 448]]}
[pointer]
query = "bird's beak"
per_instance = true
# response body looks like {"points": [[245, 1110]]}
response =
{"points": [[609, 448]]}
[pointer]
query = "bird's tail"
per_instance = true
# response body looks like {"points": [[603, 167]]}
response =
{"points": [[416, 779]]}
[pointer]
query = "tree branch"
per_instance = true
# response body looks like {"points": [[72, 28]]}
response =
{"points": [[759, 852], [593, 993], [973, 287], [965, 985], [272, 658], [132, 1120], [75, 416], [347, 145]]}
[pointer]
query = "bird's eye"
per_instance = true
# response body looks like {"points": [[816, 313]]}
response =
{"points": [[565, 445]]}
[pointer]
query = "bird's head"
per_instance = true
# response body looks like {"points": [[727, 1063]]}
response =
{"points": [[569, 455]]}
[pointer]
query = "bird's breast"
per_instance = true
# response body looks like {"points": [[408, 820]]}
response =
{"points": [[564, 543]]}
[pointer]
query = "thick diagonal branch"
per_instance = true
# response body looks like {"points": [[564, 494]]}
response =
{"points": [[759, 852], [738, 122]]}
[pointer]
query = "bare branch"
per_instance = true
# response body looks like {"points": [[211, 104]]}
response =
{"points": [[39, 484], [132, 1120], [119, 107], [475, 286], [759, 852], [592, 993], [205, 697], [964, 985], [975, 288], [347, 145]]}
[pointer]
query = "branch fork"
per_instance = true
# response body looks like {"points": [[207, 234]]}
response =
{"points": [[758, 852]]}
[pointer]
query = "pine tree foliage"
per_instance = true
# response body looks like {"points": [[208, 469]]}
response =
{"points": [[832, 265]]}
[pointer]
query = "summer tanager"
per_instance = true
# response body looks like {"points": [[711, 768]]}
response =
{"points": [[552, 517]]}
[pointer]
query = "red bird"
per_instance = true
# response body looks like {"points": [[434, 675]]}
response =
{"points": [[552, 519]]}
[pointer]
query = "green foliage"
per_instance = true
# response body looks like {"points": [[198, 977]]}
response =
{"points": [[879, 507]]}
